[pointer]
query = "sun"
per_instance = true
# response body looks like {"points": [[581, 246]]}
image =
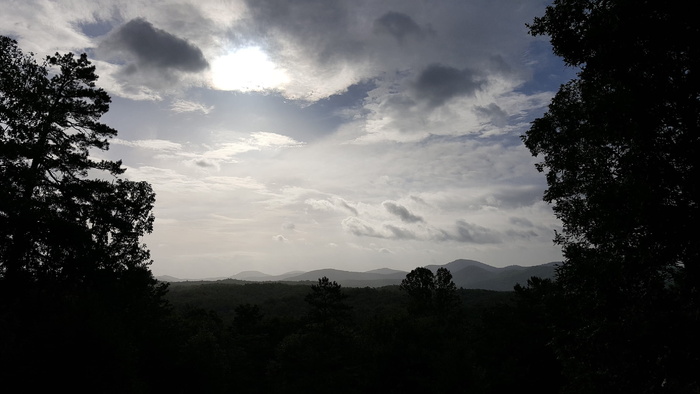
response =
{"points": [[246, 69]]}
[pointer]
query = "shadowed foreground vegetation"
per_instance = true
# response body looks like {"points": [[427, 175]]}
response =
{"points": [[274, 337]]}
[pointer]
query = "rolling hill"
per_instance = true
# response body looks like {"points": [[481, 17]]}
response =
{"points": [[467, 274]]}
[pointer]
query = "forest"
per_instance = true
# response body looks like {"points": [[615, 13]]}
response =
{"points": [[81, 311], [275, 337]]}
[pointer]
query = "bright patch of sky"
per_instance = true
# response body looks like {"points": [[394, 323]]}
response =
{"points": [[246, 69], [348, 134]]}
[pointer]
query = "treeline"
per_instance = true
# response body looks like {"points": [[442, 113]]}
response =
{"points": [[298, 338]]}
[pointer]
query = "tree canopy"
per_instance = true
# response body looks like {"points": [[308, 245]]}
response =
{"points": [[63, 215], [78, 302], [428, 292], [327, 301], [618, 145]]}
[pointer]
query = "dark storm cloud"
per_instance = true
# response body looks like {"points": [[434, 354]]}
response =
{"points": [[439, 83], [522, 222], [404, 214], [320, 27], [399, 232], [467, 233], [156, 48], [496, 114], [474, 234], [521, 196], [463, 232], [398, 25], [528, 234], [362, 228]]}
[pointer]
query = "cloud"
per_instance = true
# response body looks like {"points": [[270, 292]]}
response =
{"points": [[401, 212], [472, 233], [360, 228], [227, 183], [273, 140], [315, 41], [516, 196], [159, 145], [400, 232], [335, 204], [398, 25], [320, 205], [150, 47], [280, 238], [203, 163], [181, 106], [320, 24], [226, 152], [520, 221], [347, 206], [462, 232], [527, 235], [438, 83], [494, 113], [418, 229]]}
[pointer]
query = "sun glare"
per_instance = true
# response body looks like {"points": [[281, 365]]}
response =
{"points": [[246, 69]]}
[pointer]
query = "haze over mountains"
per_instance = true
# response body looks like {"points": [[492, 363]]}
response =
{"points": [[468, 274]]}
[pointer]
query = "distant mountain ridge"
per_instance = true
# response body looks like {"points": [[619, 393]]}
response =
{"points": [[468, 274]]}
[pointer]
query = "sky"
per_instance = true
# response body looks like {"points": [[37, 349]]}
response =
{"points": [[308, 134]]}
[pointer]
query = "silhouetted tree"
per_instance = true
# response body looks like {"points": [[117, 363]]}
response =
{"points": [[419, 284], [74, 276], [446, 298], [327, 301], [323, 352], [619, 147], [430, 293], [58, 220]]}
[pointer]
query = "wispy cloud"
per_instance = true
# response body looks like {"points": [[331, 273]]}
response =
{"points": [[331, 204], [402, 212], [181, 106], [158, 145]]}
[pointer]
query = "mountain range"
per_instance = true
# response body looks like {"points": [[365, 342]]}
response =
{"points": [[468, 274]]}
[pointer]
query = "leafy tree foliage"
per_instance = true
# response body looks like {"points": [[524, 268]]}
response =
{"points": [[74, 276], [492, 343], [58, 219], [327, 301], [430, 292], [618, 146], [419, 284], [446, 297]]}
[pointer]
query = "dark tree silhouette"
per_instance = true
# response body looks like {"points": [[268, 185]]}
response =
{"points": [[74, 277], [430, 293], [446, 297], [327, 301], [618, 146], [419, 284], [58, 219]]}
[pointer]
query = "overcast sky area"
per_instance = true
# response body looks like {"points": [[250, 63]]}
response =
{"points": [[297, 135]]}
